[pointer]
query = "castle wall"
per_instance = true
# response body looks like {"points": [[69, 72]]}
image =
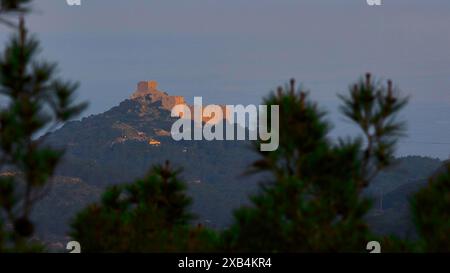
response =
{"points": [[168, 102]]}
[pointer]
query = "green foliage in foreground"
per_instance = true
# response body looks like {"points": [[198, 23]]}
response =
{"points": [[431, 213], [149, 215], [35, 100], [313, 202]]}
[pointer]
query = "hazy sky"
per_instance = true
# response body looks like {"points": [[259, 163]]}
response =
{"points": [[236, 51]]}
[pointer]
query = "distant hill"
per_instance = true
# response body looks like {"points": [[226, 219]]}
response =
{"points": [[67, 196], [392, 191], [404, 170], [121, 144]]}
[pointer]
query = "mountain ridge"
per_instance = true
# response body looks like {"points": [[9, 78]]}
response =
{"points": [[116, 147]]}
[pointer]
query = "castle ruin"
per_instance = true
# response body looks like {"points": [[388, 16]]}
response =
{"points": [[150, 88]]}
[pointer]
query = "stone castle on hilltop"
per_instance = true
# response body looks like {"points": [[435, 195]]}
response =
{"points": [[150, 88]]}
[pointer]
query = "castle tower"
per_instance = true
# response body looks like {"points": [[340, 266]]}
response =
{"points": [[150, 88], [146, 88]]}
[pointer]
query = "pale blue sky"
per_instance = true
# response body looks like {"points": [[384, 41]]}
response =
{"points": [[236, 51]]}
